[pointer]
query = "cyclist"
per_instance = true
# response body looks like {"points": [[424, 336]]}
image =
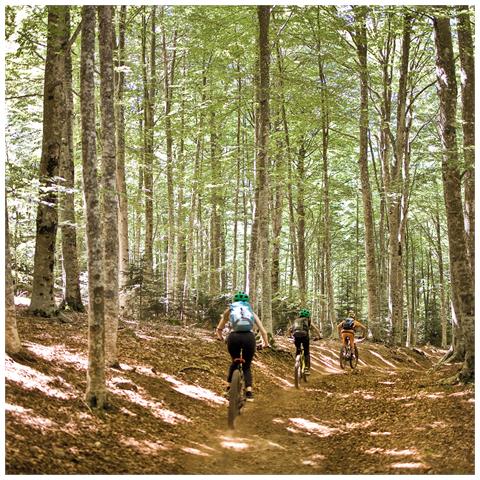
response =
{"points": [[346, 328], [241, 337], [300, 329]]}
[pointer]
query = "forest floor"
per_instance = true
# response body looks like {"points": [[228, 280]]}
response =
{"points": [[168, 415]]}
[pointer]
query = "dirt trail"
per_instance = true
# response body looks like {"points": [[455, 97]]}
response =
{"points": [[167, 414], [368, 421]]}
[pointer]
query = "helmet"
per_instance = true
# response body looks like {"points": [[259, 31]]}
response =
{"points": [[304, 313], [241, 297]]}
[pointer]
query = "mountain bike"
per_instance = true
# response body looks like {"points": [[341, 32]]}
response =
{"points": [[299, 373], [236, 394], [349, 355]]}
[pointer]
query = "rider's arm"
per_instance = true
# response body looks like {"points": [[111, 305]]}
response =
{"points": [[263, 332], [363, 327], [223, 320], [339, 328]]}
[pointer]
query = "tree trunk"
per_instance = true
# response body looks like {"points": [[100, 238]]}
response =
{"points": [[109, 177], [53, 146], [263, 164], [300, 208], [123, 247], [72, 297], [441, 278], [168, 74], [96, 393], [149, 88], [461, 274], [370, 260], [467, 61], [12, 339]]}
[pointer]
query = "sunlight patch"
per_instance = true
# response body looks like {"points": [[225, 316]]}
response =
{"points": [[194, 391], [375, 434], [32, 379], [195, 451], [408, 465], [233, 443], [157, 409], [28, 417], [382, 359], [313, 428], [59, 353], [143, 446]]}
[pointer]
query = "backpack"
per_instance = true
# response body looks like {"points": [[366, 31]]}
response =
{"points": [[241, 317], [300, 327], [348, 324]]}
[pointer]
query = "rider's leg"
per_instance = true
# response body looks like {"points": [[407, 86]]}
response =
{"points": [[234, 346], [248, 346], [306, 351]]}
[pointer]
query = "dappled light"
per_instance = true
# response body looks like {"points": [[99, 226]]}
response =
{"points": [[410, 465], [28, 417], [141, 398], [377, 434], [390, 364], [32, 379], [283, 382], [145, 447], [58, 353], [312, 427], [194, 391], [195, 451], [234, 443]]}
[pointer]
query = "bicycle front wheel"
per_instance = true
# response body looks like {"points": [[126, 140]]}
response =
{"points": [[234, 398], [354, 358]]}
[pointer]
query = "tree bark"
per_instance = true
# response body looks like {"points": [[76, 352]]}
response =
{"points": [[68, 225], [123, 247], [109, 177], [467, 61], [461, 274], [370, 260], [96, 393], [53, 145], [12, 339], [263, 163]]}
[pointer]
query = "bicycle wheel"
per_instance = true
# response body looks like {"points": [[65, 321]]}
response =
{"points": [[354, 358], [304, 376], [298, 371], [234, 403], [343, 352]]}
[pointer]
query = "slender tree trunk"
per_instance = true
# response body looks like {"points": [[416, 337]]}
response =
{"points": [[168, 74], [263, 163], [467, 61], [72, 297], [396, 195], [461, 274], [53, 146], [370, 260], [123, 247], [441, 278], [300, 208], [12, 339], [96, 393], [109, 177], [149, 87]]}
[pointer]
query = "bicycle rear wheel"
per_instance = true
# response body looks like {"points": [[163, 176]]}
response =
{"points": [[235, 400], [304, 375], [298, 371], [343, 352]]}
